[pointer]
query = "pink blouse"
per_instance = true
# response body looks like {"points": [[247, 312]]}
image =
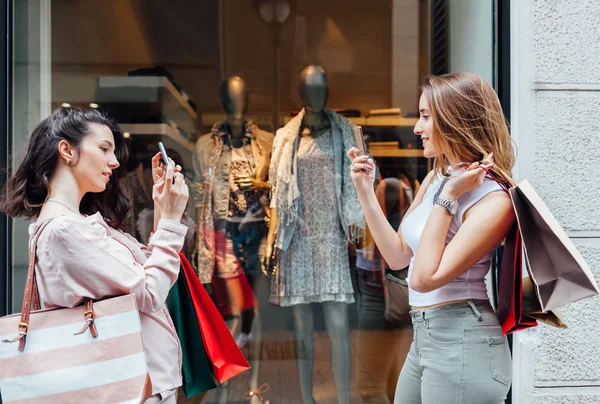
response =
{"points": [[81, 257]]}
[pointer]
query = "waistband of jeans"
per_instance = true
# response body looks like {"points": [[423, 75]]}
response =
{"points": [[453, 310]]}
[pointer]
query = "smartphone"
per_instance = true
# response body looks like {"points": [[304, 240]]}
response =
{"points": [[360, 140], [165, 156]]}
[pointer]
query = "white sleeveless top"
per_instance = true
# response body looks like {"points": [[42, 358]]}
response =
{"points": [[471, 284]]}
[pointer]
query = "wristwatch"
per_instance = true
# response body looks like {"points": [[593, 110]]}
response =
{"points": [[452, 206]]}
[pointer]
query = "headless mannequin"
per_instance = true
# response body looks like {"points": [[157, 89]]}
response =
{"points": [[234, 98], [313, 89]]}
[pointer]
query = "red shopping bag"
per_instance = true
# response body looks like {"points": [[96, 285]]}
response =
{"points": [[226, 359], [510, 286]]}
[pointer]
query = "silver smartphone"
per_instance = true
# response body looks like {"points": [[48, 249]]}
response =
{"points": [[360, 140], [163, 151]]}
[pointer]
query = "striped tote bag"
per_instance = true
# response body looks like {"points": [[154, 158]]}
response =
{"points": [[91, 353]]}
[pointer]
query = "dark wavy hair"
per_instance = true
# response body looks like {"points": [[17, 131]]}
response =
{"points": [[27, 190]]}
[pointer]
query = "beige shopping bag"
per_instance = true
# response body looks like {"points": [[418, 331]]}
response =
{"points": [[557, 269]]}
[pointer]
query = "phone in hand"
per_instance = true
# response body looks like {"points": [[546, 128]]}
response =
{"points": [[163, 151], [360, 140]]}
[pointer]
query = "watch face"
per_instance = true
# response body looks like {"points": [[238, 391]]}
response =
{"points": [[454, 207]]}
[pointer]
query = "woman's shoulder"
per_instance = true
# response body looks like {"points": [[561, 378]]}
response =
{"points": [[489, 185], [67, 226], [489, 196]]}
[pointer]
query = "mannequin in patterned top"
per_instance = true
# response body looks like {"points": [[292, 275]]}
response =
{"points": [[231, 165]]}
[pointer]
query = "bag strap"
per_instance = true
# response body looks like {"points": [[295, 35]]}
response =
{"points": [[31, 291], [31, 296], [510, 183]]}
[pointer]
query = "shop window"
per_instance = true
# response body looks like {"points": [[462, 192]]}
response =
{"points": [[178, 72]]}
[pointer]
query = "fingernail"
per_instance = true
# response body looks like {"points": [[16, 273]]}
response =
{"points": [[370, 161]]}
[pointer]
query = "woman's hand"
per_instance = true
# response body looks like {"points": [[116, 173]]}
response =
{"points": [[158, 169], [362, 171], [467, 181], [266, 261], [247, 183], [170, 194]]}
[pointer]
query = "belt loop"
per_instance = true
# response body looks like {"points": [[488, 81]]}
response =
{"points": [[477, 313], [425, 320]]}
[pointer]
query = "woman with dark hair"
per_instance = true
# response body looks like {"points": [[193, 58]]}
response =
{"points": [[70, 176]]}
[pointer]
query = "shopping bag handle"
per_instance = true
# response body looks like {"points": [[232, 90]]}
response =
{"points": [[510, 183]]}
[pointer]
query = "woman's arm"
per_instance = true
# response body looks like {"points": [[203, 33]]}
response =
{"points": [[390, 243], [484, 226], [91, 263], [156, 217]]}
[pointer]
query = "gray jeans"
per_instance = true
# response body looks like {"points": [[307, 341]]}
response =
{"points": [[458, 356]]}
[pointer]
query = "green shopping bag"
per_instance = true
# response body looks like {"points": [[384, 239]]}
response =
{"points": [[197, 376]]}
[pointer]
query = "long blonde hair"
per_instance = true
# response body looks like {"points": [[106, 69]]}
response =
{"points": [[468, 122]]}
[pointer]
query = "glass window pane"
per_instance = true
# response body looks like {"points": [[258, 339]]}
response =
{"points": [[31, 103], [221, 82]]}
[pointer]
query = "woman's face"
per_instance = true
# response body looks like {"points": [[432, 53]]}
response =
{"points": [[97, 159], [424, 128]]}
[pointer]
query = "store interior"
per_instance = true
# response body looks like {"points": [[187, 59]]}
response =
{"points": [[158, 67]]}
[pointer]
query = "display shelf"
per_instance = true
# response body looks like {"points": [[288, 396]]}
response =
{"points": [[361, 120], [264, 121], [145, 96], [391, 149], [208, 119], [157, 129], [390, 121], [395, 152], [153, 86]]}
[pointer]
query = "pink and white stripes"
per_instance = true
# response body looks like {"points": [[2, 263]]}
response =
{"points": [[60, 367]]}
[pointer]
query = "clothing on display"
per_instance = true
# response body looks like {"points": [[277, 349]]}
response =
{"points": [[315, 266], [218, 198], [283, 177], [242, 202], [318, 212]]}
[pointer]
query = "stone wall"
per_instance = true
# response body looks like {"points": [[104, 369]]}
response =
{"points": [[555, 57]]}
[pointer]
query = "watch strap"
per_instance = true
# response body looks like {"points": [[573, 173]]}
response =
{"points": [[445, 203]]}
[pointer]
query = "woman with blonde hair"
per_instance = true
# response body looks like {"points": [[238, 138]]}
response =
{"points": [[448, 237]]}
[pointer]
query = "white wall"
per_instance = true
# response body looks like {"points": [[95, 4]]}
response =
{"points": [[555, 57]]}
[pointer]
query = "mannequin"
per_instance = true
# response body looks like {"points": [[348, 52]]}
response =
{"points": [[234, 98], [231, 167], [311, 232]]}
